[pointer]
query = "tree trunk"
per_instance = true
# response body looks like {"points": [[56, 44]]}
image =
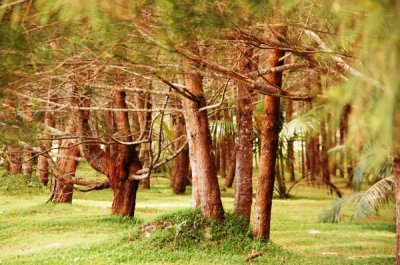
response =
{"points": [[204, 176], [231, 161], [14, 154], [143, 101], [27, 160], [117, 169], [269, 147], [42, 169], [63, 190], [244, 149], [180, 165], [290, 151]]}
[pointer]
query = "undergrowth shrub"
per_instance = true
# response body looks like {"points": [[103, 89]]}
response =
{"points": [[188, 229], [21, 185]]}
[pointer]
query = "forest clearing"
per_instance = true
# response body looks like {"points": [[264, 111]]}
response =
{"points": [[33, 232], [199, 132]]}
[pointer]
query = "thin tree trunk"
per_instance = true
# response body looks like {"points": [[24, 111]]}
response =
{"points": [[180, 165], [143, 101], [269, 147], [290, 151], [244, 151], [204, 176], [27, 160], [231, 155]]}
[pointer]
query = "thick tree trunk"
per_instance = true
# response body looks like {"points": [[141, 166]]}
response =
{"points": [[180, 165], [117, 169], [269, 147], [204, 176], [126, 163], [62, 191], [14, 154], [244, 149], [42, 169]]}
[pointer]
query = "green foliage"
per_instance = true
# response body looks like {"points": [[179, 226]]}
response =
{"points": [[13, 52], [366, 203], [188, 228], [21, 185], [191, 20]]}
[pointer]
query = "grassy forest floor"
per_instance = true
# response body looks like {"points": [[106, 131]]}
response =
{"points": [[33, 232]]}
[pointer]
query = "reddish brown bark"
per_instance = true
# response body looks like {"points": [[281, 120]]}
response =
{"points": [[180, 165], [116, 169], [204, 176], [14, 154], [63, 190], [269, 147], [42, 169], [244, 149], [231, 160]]}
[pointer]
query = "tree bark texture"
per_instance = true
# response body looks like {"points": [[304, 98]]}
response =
{"points": [[116, 169], [63, 190], [180, 165], [14, 154], [231, 160], [269, 147], [204, 176], [244, 149], [42, 169]]}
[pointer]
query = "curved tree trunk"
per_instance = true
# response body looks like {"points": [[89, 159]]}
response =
{"points": [[230, 174], [269, 147], [180, 165], [244, 150], [117, 169], [204, 176]]}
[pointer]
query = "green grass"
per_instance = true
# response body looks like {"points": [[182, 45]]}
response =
{"points": [[32, 232]]}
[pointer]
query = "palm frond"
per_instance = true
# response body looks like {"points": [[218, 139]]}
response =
{"points": [[220, 128], [366, 203], [334, 213], [377, 196], [306, 123]]}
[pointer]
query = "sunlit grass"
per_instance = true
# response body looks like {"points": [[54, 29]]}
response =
{"points": [[32, 232]]}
